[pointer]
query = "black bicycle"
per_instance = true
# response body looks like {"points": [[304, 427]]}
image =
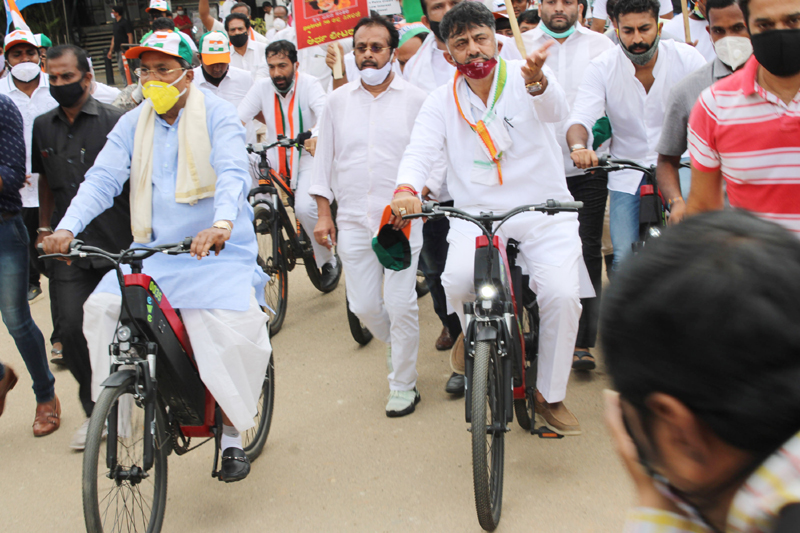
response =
{"points": [[501, 345], [152, 404], [282, 242]]}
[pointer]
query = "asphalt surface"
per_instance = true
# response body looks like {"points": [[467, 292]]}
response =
{"points": [[333, 460]]}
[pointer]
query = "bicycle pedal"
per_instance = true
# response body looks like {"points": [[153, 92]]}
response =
{"points": [[544, 432]]}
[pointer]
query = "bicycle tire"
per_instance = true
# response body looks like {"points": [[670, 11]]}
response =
{"points": [[422, 287], [276, 291], [487, 457], [95, 470], [314, 272], [523, 409], [358, 330], [254, 439]]}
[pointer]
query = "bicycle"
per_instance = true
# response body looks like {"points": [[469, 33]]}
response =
{"points": [[152, 404], [281, 242], [652, 215], [501, 345]]}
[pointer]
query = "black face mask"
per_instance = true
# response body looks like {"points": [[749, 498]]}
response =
{"points": [[67, 95], [239, 40], [435, 29], [777, 51], [211, 79]]}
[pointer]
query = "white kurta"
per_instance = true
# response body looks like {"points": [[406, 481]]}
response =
{"points": [[232, 88], [568, 61], [29, 107], [610, 87], [253, 59]]}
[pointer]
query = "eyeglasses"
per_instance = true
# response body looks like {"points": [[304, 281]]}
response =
{"points": [[375, 48], [159, 73]]}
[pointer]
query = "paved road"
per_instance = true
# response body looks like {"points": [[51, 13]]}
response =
{"points": [[333, 461]]}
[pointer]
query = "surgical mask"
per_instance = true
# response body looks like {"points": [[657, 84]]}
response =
{"points": [[563, 35], [288, 87], [435, 29], [163, 96], [113, 16], [642, 58], [67, 95], [279, 24], [180, 12], [26, 71], [239, 40], [734, 51], [376, 76], [776, 51]]}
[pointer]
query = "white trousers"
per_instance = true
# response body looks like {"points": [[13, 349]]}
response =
{"points": [[384, 300], [305, 209], [231, 348], [557, 285]]}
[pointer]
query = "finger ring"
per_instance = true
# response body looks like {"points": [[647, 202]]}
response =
{"points": [[402, 210]]}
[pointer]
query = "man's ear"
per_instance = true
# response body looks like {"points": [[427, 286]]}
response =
{"points": [[425, 21], [660, 25], [499, 46], [190, 75], [394, 56], [449, 58], [708, 29]]}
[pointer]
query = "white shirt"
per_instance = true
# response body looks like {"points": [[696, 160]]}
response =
{"points": [[599, 10], [568, 61], [351, 69], [311, 59], [232, 88], [361, 142], [39, 102], [532, 167], [310, 101], [698, 32], [254, 58], [609, 86], [104, 93]]}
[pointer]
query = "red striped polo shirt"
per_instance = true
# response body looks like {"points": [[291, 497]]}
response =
{"points": [[753, 137]]}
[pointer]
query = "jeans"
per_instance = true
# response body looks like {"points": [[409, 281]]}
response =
{"points": [[624, 223], [685, 177], [15, 309], [432, 261], [73, 286], [592, 190]]}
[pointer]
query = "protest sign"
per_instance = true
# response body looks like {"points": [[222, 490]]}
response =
{"points": [[385, 7], [322, 21]]}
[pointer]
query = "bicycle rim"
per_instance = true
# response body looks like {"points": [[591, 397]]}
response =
{"points": [[276, 290], [487, 443], [110, 502], [254, 439]]}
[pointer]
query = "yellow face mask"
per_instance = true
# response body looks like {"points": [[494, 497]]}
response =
{"points": [[163, 96]]}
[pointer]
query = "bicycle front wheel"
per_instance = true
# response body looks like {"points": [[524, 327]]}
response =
{"points": [[118, 494], [276, 291], [487, 434], [253, 439]]}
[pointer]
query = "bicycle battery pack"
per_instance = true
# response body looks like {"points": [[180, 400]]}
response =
{"points": [[179, 382]]}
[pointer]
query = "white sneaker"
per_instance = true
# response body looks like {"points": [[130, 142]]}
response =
{"points": [[389, 365], [79, 438], [402, 403]]}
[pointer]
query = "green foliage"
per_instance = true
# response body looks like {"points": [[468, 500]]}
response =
{"points": [[259, 26], [42, 18]]}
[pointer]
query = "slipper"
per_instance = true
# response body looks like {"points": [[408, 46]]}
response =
{"points": [[584, 361], [57, 357]]}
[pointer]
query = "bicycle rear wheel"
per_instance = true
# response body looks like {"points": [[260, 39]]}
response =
{"points": [[314, 272], [276, 291], [422, 287], [487, 434], [253, 439], [121, 496], [358, 330]]}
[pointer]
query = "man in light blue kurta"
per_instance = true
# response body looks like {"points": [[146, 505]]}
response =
{"points": [[205, 197]]}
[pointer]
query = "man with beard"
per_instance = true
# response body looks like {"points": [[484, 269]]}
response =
{"points": [[629, 83], [728, 31], [290, 103], [574, 48], [365, 127], [216, 74], [746, 128], [523, 166], [66, 142]]}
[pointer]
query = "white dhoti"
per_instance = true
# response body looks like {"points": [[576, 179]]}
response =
{"points": [[384, 300], [231, 348], [550, 253], [305, 209]]}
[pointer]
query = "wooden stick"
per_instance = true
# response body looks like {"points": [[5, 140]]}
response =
{"points": [[337, 66], [512, 18], [685, 11]]}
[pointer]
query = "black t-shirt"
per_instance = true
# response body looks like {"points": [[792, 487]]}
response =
{"points": [[121, 30]]}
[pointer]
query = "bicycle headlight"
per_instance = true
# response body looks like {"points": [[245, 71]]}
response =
{"points": [[654, 231], [488, 292], [124, 334]]}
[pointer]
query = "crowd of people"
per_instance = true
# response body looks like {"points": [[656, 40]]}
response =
{"points": [[454, 109]]}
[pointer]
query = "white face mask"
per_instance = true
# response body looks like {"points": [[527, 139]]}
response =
{"points": [[113, 16], [180, 12], [26, 71], [372, 76], [734, 51], [279, 24]]}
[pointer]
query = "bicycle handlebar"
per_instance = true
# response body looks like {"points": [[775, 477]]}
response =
{"points": [[283, 141], [610, 164], [78, 250]]}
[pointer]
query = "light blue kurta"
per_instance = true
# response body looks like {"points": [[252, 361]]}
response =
{"points": [[215, 282]]}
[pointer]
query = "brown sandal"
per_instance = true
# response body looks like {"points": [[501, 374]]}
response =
{"points": [[48, 417]]}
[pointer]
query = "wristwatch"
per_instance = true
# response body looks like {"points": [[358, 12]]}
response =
{"points": [[42, 230], [576, 147], [535, 87], [223, 224]]}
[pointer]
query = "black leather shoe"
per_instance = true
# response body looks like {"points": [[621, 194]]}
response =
{"points": [[235, 465], [329, 274], [455, 385]]}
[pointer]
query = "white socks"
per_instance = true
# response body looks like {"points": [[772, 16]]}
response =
{"points": [[230, 438]]}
